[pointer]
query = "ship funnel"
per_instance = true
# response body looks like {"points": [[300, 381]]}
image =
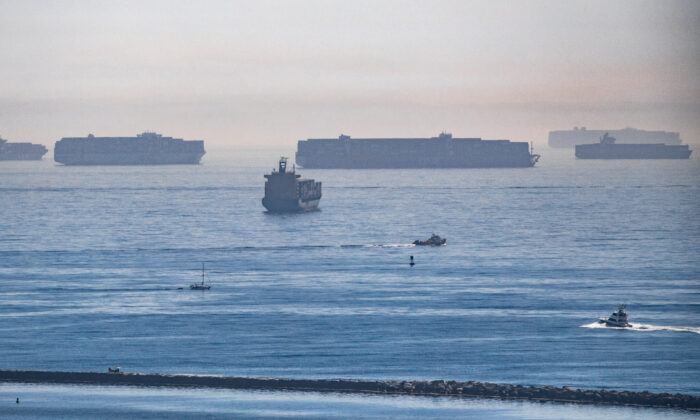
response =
{"points": [[283, 165]]}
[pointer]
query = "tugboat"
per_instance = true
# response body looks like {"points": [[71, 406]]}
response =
{"points": [[200, 286], [286, 192], [617, 319], [434, 240]]}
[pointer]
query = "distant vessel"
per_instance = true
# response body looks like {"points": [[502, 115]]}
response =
{"points": [[288, 192], [435, 152], [606, 148], [21, 151], [200, 286], [617, 319], [434, 240], [145, 149], [580, 135]]}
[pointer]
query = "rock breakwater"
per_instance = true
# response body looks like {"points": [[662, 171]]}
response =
{"points": [[469, 389]]}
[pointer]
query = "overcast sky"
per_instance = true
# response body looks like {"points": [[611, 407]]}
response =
{"points": [[268, 73]]}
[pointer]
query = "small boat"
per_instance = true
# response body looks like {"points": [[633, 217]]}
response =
{"points": [[617, 319], [200, 286], [434, 240]]}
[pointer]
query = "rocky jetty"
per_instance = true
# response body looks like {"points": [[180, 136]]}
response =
{"points": [[469, 389]]}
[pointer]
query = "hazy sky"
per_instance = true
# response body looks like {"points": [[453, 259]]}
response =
{"points": [[268, 73]]}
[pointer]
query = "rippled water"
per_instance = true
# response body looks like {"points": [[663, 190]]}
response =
{"points": [[91, 259]]}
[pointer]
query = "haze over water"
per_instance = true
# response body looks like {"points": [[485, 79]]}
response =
{"points": [[91, 259], [268, 73]]}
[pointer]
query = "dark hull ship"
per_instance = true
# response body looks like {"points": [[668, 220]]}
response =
{"points": [[21, 151], [285, 191], [144, 149], [393, 153], [606, 148]]}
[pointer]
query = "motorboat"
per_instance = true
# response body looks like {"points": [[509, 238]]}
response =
{"points": [[617, 319], [434, 240]]}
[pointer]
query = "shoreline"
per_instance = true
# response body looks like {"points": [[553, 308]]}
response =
{"points": [[438, 388]]}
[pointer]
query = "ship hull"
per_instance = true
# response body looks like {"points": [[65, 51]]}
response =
{"points": [[22, 151], [289, 205], [612, 323], [144, 149], [436, 152], [359, 164], [632, 151], [128, 159]]}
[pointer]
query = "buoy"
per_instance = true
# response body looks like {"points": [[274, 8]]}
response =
{"points": [[17, 400], [412, 263]]}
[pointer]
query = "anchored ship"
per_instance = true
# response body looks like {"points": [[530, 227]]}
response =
{"points": [[200, 286], [443, 151], [606, 148], [21, 151], [580, 135], [145, 149], [285, 191]]}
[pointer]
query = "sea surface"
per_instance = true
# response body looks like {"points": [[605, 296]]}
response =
{"points": [[95, 264]]}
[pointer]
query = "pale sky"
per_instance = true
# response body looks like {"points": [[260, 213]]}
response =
{"points": [[268, 73]]}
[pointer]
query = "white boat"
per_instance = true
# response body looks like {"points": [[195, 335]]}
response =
{"points": [[200, 286], [617, 319]]}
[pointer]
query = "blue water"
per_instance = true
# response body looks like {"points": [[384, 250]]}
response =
{"points": [[91, 259]]}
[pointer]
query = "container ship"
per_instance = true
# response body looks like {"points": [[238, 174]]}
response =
{"points": [[145, 149], [21, 151], [579, 135], [443, 151], [606, 148], [285, 191]]}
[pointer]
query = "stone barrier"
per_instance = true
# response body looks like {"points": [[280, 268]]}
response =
{"points": [[469, 389]]}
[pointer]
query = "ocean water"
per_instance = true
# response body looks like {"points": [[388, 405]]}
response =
{"points": [[92, 259]]}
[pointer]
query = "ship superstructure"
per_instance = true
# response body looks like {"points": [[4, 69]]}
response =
{"points": [[147, 148], [580, 135], [21, 151], [607, 148], [443, 151], [286, 191]]}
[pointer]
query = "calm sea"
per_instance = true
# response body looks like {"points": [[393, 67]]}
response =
{"points": [[92, 260]]}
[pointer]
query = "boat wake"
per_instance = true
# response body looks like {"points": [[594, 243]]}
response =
{"points": [[409, 245], [644, 327]]}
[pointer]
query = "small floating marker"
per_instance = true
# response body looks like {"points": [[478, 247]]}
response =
{"points": [[17, 400], [412, 263]]}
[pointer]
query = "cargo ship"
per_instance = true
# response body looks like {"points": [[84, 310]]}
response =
{"points": [[285, 191], [606, 148], [21, 151], [145, 149], [442, 151], [580, 135]]}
